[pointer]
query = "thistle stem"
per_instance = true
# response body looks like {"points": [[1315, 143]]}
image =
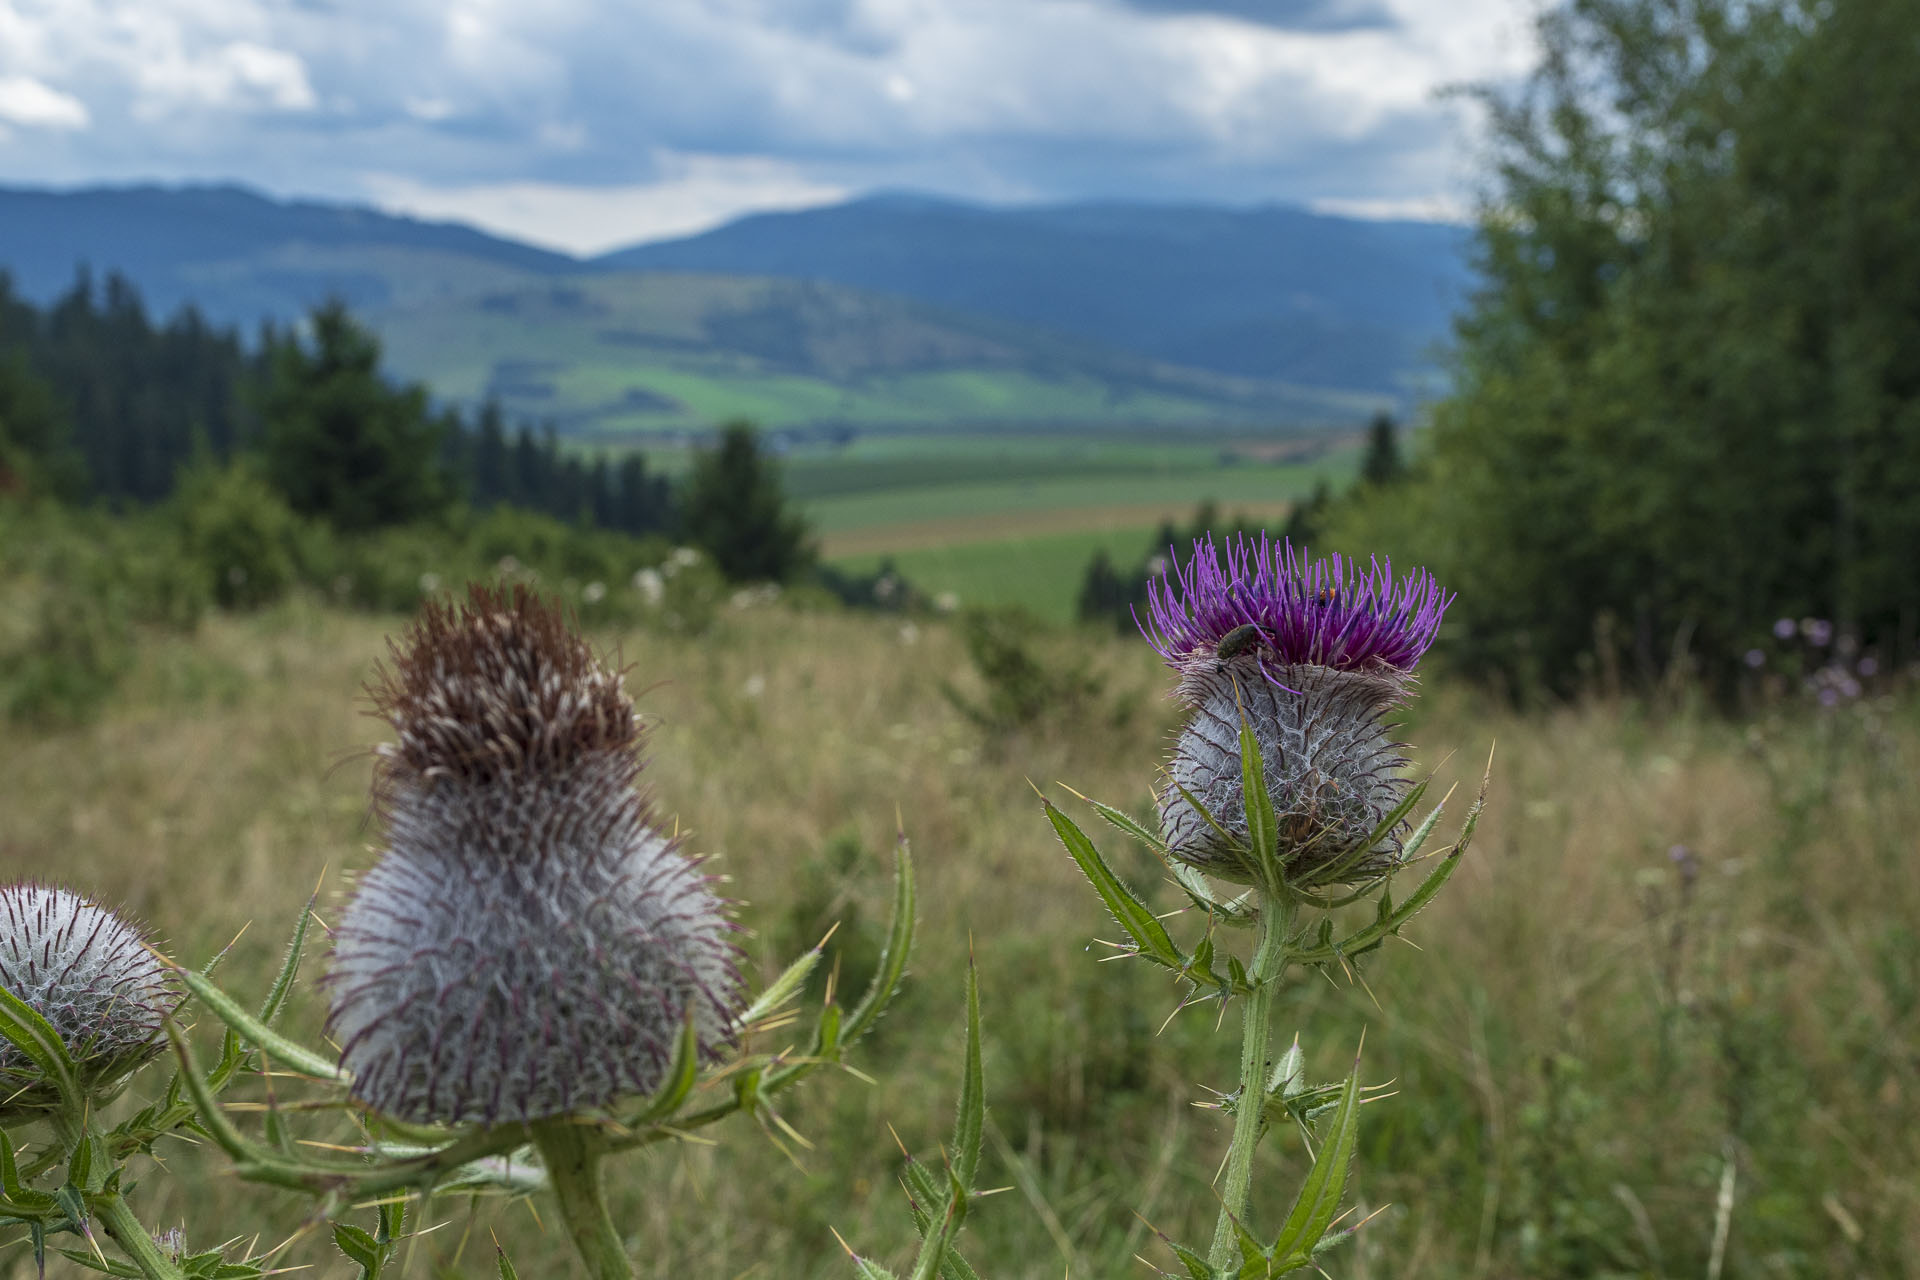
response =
{"points": [[1269, 961], [572, 1155], [134, 1239], [110, 1207]]}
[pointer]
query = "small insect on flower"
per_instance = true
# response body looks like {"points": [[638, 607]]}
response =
{"points": [[529, 945], [95, 979], [1313, 655], [1238, 641]]}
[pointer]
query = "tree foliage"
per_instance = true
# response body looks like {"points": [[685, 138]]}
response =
{"points": [[1688, 396], [496, 466], [341, 442], [1382, 463], [121, 403], [734, 508], [35, 454]]}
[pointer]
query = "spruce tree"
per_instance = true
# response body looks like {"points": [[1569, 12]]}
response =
{"points": [[1382, 464], [36, 457], [342, 443], [492, 479], [733, 507]]}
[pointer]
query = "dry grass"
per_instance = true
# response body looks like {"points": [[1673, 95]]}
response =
{"points": [[1583, 1043]]}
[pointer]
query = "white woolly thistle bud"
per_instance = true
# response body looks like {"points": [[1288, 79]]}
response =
{"points": [[528, 945], [95, 980], [1312, 657]]}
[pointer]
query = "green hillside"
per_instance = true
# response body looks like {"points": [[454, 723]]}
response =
{"points": [[606, 356]]}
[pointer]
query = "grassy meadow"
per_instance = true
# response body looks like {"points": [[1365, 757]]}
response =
{"points": [[1006, 519], [637, 353], [1606, 1054]]}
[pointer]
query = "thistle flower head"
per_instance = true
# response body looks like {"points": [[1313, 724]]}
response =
{"points": [[1311, 655], [95, 980], [528, 945], [1263, 597]]}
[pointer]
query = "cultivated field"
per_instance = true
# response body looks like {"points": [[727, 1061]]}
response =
{"points": [[1014, 519], [1607, 1054], [628, 354]]}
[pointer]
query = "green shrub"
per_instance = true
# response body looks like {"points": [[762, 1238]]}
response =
{"points": [[79, 647], [76, 585], [1024, 684], [240, 531]]}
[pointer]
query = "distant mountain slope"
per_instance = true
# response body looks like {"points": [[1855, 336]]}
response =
{"points": [[240, 256], [612, 353], [885, 312], [1266, 292]]}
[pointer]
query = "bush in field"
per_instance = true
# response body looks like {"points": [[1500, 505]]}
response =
{"points": [[240, 530], [734, 509], [75, 586], [1025, 683]]}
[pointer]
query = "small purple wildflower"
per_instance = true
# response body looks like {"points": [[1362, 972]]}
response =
{"points": [[1784, 628], [1327, 613], [1685, 861], [1756, 658]]}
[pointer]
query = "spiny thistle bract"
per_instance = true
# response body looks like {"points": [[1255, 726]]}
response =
{"points": [[528, 946], [95, 980], [1313, 655]]}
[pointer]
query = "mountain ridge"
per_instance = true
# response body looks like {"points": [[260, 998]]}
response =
{"points": [[1268, 291], [1178, 311]]}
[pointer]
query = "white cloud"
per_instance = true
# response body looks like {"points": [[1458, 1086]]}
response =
{"points": [[571, 120], [26, 101], [701, 192], [237, 75], [1441, 208]]}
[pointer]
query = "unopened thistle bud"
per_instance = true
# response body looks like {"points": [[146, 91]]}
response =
{"points": [[95, 980], [1314, 656], [528, 945]]}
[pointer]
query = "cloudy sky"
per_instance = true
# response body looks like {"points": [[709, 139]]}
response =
{"points": [[583, 124]]}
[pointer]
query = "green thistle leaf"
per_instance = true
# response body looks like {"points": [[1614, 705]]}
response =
{"points": [[1149, 935], [1263, 831]]}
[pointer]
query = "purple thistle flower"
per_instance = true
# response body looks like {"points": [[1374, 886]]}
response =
{"points": [[529, 945], [1327, 613], [1313, 655]]}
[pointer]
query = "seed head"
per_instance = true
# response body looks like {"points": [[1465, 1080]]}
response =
{"points": [[528, 945], [92, 976], [1314, 655]]}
